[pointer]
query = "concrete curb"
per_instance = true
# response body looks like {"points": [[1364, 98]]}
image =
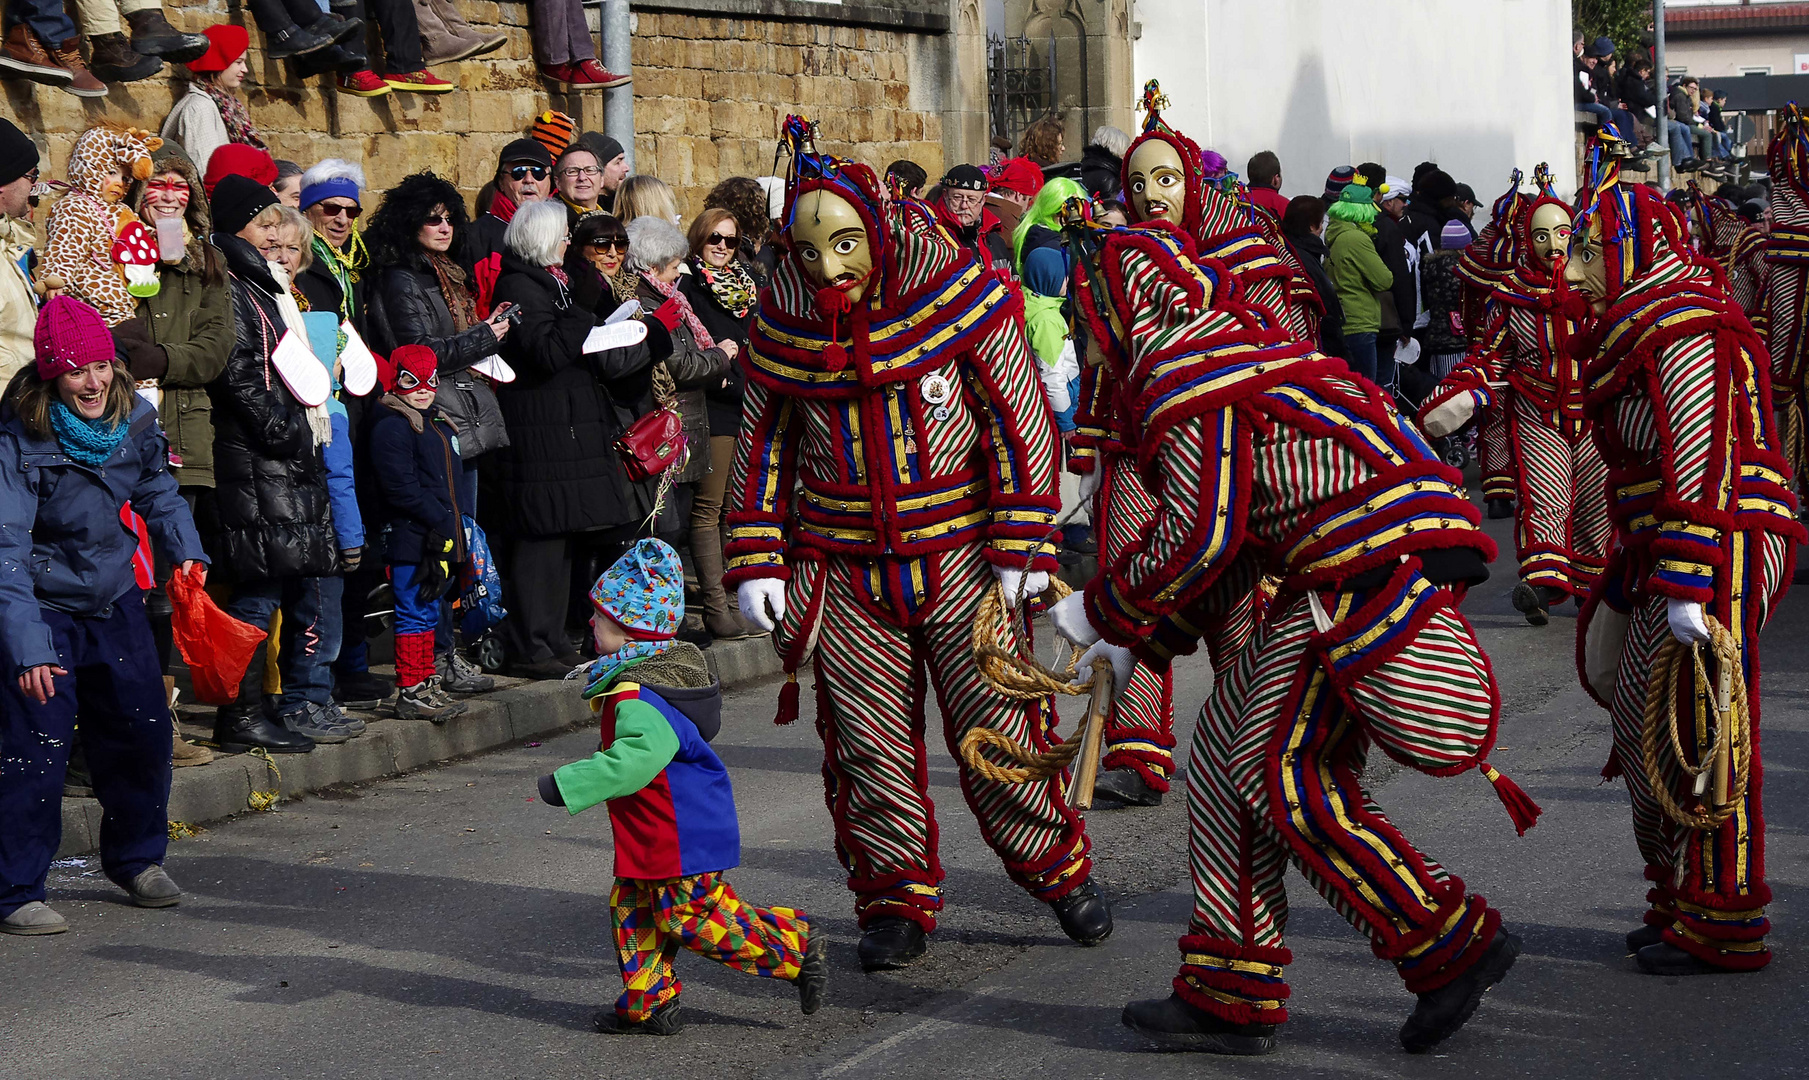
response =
{"points": [[517, 711]]}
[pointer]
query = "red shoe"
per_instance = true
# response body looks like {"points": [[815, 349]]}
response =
{"points": [[592, 74], [364, 84], [421, 82], [564, 76]]}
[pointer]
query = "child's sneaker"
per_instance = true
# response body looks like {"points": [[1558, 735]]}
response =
{"points": [[664, 1021], [426, 701], [420, 82], [364, 84], [813, 974]]}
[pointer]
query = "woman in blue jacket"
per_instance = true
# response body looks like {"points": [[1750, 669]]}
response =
{"points": [[77, 446]]}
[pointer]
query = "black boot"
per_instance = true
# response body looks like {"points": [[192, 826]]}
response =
{"points": [[1529, 600], [1498, 508], [1179, 1026], [112, 59], [1085, 916], [294, 41], [1124, 787], [664, 1021], [891, 942], [241, 728], [813, 973], [1664, 958], [153, 35], [1644, 936], [1441, 1012]]}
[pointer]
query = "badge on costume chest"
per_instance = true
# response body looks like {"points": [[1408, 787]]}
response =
{"points": [[936, 390]]}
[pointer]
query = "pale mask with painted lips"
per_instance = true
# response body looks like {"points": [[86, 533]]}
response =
{"points": [[1585, 269], [1158, 181], [832, 243], [1550, 233]]}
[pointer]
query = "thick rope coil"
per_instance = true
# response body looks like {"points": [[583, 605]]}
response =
{"points": [[1020, 675], [264, 800], [1661, 718]]}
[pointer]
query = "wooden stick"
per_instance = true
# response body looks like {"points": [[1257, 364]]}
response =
{"points": [[1724, 768], [1086, 766]]}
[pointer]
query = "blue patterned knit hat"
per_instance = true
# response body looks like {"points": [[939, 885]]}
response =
{"points": [[644, 591]]}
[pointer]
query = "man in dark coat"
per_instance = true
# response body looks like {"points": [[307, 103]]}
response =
{"points": [[962, 211]]}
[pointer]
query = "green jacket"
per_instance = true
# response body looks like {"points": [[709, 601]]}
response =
{"points": [[1357, 274], [193, 322], [1048, 330]]}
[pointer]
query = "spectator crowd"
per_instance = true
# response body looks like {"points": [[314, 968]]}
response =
{"points": [[1621, 90]]}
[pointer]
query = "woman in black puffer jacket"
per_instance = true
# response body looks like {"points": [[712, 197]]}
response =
{"points": [[557, 492], [275, 539]]}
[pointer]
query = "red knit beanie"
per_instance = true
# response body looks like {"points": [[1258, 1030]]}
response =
{"points": [[237, 159], [69, 335], [226, 42]]}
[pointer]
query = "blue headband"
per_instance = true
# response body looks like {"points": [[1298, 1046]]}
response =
{"points": [[337, 186]]}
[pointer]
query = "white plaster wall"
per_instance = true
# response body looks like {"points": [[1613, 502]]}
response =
{"points": [[1479, 86]]}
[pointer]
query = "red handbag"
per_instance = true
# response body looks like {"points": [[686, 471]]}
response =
{"points": [[656, 442]]}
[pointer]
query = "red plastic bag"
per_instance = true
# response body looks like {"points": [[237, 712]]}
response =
{"points": [[216, 647]]}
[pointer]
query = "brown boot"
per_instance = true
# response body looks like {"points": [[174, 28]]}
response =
{"points": [[720, 617], [112, 59], [182, 752], [82, 82], [153, 35], [446, 36], [23, 55]]}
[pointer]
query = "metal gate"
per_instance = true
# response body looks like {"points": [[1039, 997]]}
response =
{"points": [[1020, 84]]}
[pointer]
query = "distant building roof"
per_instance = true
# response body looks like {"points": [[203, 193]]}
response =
{"points": [[1712, 20]]}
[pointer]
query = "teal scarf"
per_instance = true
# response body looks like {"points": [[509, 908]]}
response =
{"points": [[605, 670], [90, 442]]}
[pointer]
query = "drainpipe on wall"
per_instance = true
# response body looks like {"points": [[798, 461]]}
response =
{"points": [[618, 101], [1658, 61]]}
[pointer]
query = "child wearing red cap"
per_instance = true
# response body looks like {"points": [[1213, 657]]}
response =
{"points": [[671, 808], [415, 454], [212, 114]]}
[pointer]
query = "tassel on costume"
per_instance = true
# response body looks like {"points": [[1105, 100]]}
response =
{"points": [[1613, 768], [788, 700], [1520, 806]]}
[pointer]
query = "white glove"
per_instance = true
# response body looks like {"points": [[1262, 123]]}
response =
{"points": [[1450, 416], [1685, 617], [754, 596], [1019, 585], [1122, 662], [1069, 617], [1090, 481]]}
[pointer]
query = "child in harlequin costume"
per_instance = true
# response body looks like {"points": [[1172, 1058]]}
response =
{"points": [[1372, 547], [1678, 390], [1561, 527], [1164, 183], [671, 808], [896, 459], [93, 241], [1482, 267], [1787, 283]]}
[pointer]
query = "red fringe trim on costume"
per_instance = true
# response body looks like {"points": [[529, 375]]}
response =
{"points": [[1520, 806]]}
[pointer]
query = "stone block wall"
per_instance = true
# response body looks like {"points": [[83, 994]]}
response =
{"points": [[710, 94]]}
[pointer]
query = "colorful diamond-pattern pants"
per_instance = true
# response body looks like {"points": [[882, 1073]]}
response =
{"points": [[653, 920], [1561, 525], [1274, 779], [1708, 887]]}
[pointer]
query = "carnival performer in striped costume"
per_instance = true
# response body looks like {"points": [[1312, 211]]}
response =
{"points": [[1678, 391], [1561, 528], [1786, 304], [1267, 458], [896, 459], [1747, 270], [1483, 266], [1164, 183]]}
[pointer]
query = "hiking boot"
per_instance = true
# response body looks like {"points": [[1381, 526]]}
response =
{"points": [[364, 84], [664, 1021], [1178, 1025], [1644, 936], [184, 753], [152, 888], [239, 729], [1124, 787], [891, 942], [590, 75], [426, 701], [114, 60], [460, 676], [420, 82], [35, 918], [82, 82], [153, 35], [361, 690], [1663, 958], [1529, 600], [24, 55], [1085, 916], [1441, 1012], [294, 41], [813, 973], [308, 721], [331, 715]]}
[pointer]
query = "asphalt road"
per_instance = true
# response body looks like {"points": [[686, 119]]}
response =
{"points": [[447, 924]]}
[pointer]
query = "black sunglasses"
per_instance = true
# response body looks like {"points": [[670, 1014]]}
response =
{"points": [[438, 219], [607, 245], [522, 172], [717, 238], [330, 210]]}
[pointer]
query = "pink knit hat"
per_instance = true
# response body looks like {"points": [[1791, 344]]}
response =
{"points": [[69, 335]]}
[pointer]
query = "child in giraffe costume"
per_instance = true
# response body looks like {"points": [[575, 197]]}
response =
{"points": [[671, 808], [1266, 458], [1482, 266], [1163, 182], [896, 459], [1705, 520], [93, 241], [1561, 527]]}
